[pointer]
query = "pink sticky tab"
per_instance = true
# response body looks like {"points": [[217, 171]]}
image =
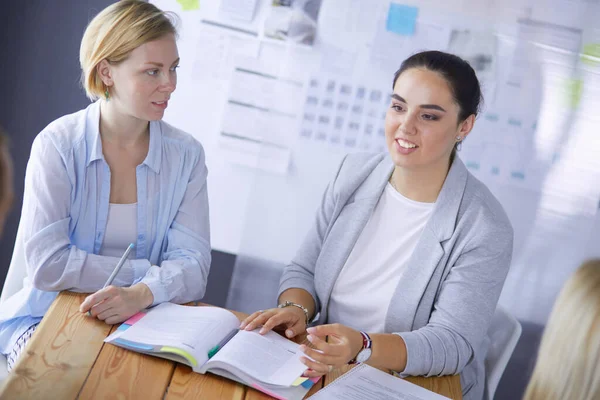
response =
{"points": [[267, 391], [315, 379], [135, 318]]}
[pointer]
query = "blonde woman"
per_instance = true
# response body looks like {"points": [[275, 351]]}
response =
{"points": [[110, 175], [568, 363]]}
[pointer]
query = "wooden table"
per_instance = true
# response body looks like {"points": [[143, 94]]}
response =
{"points": [[67, 359]]}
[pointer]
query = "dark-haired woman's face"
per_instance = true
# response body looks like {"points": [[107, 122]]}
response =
{"points": [[421, 124]]}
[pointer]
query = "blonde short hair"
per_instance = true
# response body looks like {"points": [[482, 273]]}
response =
{"points": [[568, 363], [114, 33]]}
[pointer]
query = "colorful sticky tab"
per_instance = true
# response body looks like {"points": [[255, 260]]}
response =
{"points": [[307, 384], [179, 352], [189, 5], [135, 318], [299, 381], [123, 327], [134, 345], [267, 391], [401, 19]]}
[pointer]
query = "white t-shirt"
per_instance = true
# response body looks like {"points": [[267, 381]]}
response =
{"points": [[121, 230], [362, 293]]}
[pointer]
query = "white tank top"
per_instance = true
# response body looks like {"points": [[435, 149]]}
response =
{"points": [[362, 293], [121, 230]]}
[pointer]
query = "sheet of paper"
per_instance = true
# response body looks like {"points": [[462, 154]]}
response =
{"points": [[540, 42], [239, 9], [218, 46], [479, 48], [344, 114], [571, 13], [365, 382], [194, 329], [292, 21], [269, 358], [519, 138], [259, 116], [348, 24]]}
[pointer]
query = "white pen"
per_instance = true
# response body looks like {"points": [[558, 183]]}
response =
{"points": [[117, 269], [119, 265]]}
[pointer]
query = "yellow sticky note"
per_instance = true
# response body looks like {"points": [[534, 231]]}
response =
{"points": [[299, 381], [180, 352], [591, 54], [189, 5], [574, 89]]}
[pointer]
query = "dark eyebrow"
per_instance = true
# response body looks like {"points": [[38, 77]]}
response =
{"points": [[160, 65], [427, 106]]}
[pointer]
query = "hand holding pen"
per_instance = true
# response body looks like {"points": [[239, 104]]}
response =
{"points": [[114, 304]]}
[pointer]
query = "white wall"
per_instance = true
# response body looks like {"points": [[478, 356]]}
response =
{"points": [[530, 125]]}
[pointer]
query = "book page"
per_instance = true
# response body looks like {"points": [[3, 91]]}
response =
{"points": [[268, 358], [366, 382], [193, 329]]}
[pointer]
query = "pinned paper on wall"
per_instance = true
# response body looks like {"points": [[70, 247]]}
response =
{"points": [[344, 115], [401, 19], [189, 5], [239, 9], [260, 108]]}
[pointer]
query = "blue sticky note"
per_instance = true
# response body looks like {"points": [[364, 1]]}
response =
{"points": [[307, 384], [134, 345], [401, 19]]}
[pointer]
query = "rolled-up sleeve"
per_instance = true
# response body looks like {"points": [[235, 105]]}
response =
{"points": [[183, 272], [464, 307], [53, 262]]}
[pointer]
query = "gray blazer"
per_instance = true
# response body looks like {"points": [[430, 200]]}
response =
{"points": [[445, 300]]}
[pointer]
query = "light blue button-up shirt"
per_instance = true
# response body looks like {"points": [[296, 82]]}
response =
{"points": [[65, 209]]}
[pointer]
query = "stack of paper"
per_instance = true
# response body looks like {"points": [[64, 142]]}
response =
{"points": [[365, 382]]}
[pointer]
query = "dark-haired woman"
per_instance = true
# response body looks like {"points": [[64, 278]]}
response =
{"points": [[409, 252]]}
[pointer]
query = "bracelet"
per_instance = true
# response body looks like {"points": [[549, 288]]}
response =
{"points": [[291, 303]]}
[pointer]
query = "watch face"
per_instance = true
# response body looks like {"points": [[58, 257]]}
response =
{"points": [[363, 356]]}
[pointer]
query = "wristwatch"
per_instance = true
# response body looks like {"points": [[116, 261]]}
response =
{"points": [[292, 304], [365, 353]]}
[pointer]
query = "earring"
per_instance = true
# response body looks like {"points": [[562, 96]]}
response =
{"points": [[459, 138], [106, 94]]}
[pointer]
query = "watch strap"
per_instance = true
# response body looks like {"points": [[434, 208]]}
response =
{"points": [[367, 343]]}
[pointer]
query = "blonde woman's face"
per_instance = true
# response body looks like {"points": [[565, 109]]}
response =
{"points": [[144, 81]]}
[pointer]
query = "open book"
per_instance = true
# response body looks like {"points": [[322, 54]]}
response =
{"points": [[208, 339]]}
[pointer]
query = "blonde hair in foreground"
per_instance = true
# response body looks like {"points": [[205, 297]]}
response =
{"points": [[114, 33], [568, 364]]}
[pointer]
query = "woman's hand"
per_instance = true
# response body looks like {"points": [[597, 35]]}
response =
{"points": [[116, 304], [292, 320], [334, 346]]}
